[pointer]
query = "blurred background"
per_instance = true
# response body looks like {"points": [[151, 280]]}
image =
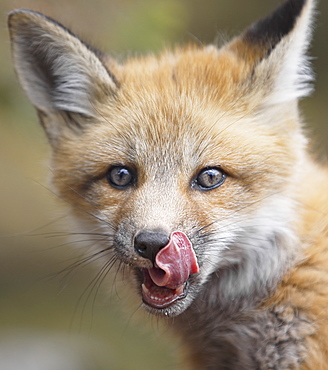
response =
{"points": [[52, 320]]}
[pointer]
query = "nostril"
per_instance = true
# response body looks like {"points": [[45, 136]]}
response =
{"points": [[147, 243]]}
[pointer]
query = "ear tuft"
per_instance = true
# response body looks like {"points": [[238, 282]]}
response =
{"points": [[57, 70]]}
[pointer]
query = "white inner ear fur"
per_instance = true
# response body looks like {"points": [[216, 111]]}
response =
{"points": [[289, 63], [77, 71]]}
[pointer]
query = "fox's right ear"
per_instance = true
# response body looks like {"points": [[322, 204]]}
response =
{"points": [[58, 72]]}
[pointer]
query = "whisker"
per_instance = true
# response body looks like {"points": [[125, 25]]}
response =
{"points": [[85, 261], [30, 232], [56, 234], [119, 268], [79, 208], [90, 288]]}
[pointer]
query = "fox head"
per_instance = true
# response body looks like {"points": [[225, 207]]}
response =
{"points": [[185, 165]]}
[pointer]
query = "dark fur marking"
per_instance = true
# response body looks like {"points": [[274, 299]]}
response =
{"points": [[272, 29]]}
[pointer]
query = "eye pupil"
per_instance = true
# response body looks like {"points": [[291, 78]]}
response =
{"points": [[120, 177], [210, 178]]}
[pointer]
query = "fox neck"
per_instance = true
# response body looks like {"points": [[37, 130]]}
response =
{"points": [[231, 300]]}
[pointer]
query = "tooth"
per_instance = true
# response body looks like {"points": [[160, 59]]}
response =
{"points": [[179, 290], [145, 289]]}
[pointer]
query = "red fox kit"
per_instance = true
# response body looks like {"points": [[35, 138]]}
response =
{"points": [[193, 167]]}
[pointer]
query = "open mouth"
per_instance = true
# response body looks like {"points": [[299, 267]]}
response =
{"points": [[161, 296], [167, 281]]}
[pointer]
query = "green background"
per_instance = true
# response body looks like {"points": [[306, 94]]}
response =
{"points": [[47, 316]]}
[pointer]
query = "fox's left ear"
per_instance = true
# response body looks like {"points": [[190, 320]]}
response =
{"points": [[275, 49]]}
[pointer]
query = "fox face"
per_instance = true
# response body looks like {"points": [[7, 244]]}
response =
{"points": [[184, 165]]}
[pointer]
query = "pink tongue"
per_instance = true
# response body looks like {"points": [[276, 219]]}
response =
{"points": [[175, 262]]}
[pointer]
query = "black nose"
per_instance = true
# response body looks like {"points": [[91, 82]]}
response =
{"points": [[147, 243]]}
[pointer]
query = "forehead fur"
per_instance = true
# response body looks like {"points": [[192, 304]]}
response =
{"points": [[192, 95], [205, 74]]}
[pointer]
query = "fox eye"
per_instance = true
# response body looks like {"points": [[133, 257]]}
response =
{"points": [[120, 177], [210, 178]]}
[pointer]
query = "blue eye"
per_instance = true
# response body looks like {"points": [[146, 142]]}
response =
{"points": [[121, 177], [210, 178]]}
